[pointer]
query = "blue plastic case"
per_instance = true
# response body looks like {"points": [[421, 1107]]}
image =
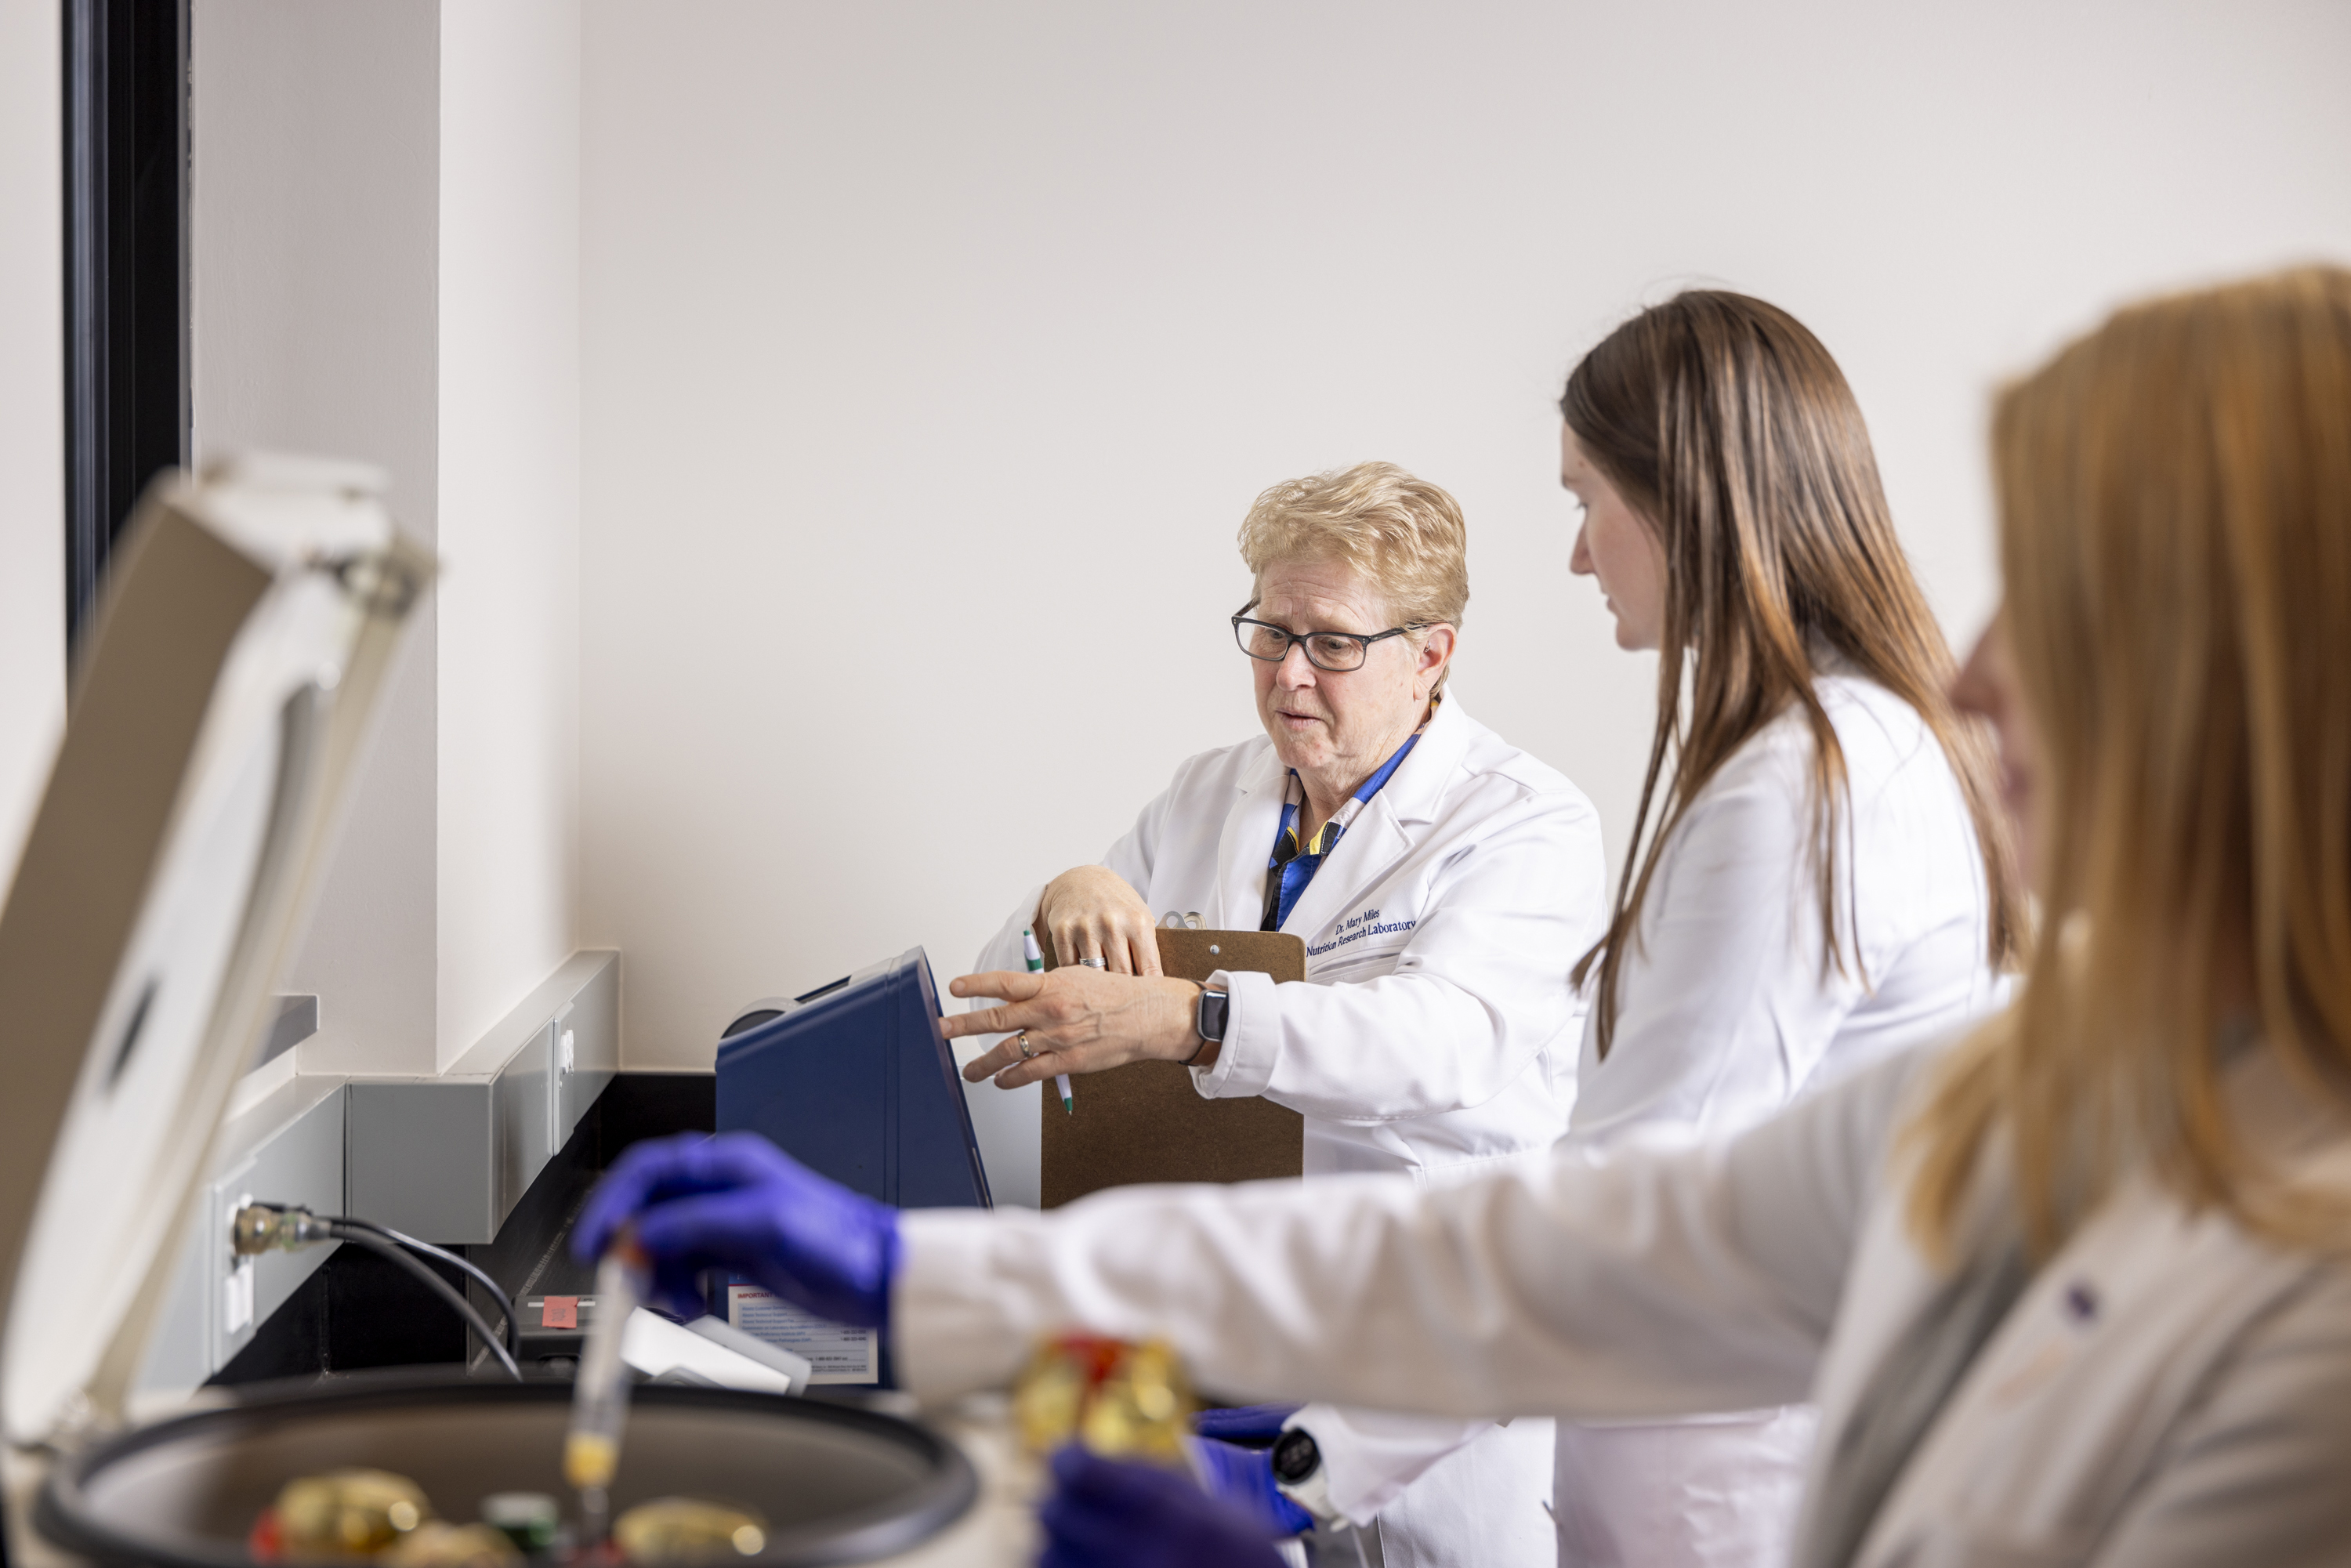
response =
{"points": [[855, 1081]]}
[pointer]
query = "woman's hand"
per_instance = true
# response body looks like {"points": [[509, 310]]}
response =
{"points": [[1104, 1513], [1076, 1020], [1091, 913]]}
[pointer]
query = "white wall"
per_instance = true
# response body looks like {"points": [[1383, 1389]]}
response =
{"points": [[385, 266], [508, 749], [32, 414], [933, 352], [312, 253]]}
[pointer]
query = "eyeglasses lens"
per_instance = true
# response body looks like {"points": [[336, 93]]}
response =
{"points": [[1334, 652], [1326, 650], [1262, 642]]}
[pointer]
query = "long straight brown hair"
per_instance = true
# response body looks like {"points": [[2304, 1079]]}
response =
{"points": [[2175, 526], [1732, 435]]}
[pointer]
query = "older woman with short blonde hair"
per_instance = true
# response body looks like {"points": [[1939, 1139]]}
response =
{"points": [[1444, 881]]}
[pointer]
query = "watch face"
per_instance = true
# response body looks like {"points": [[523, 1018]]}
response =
{"points": [[1211, 1020], [1295, 1457]]}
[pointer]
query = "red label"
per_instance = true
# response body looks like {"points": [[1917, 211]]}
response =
{"points": [[559, 1312]]}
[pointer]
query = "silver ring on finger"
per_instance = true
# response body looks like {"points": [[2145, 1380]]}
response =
{"points": [[1028, 1051], [1095, 963]]}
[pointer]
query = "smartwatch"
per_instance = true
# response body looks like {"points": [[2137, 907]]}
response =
{"points": [[1298, 1472], [1208, 1019]]}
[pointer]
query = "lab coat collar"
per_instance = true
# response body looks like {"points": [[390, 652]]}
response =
{"points": [[1414, 794], [1375, 841], [1379, 836], [1247, 840]]}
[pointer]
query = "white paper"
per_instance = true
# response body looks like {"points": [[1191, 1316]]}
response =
{"points": [[657, 1347], [836, 1352]]}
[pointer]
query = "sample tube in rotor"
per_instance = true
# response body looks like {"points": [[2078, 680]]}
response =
{"points": [[599, 1395]]}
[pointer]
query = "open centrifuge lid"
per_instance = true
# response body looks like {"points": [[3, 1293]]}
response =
{"points": [[218, 708]]}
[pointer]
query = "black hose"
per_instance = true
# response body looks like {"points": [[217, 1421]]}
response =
{"points": [[497, 1293], [363, 1236]]}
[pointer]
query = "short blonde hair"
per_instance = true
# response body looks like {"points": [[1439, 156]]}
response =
{"points": [[1403, 536]]}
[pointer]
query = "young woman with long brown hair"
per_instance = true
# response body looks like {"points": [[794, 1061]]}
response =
{"points": [[1816, 878], [2074, 1290]]}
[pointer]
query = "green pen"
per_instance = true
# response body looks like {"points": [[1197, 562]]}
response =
{"points": [[1035, 956]]}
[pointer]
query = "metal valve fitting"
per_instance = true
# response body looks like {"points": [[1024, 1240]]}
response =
{"points": [[265, 1227]]}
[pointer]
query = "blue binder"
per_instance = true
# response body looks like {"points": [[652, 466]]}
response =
{"points": [[855, 1081]]}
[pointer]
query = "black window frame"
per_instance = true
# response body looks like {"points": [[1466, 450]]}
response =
{"points": [[127, 361]]}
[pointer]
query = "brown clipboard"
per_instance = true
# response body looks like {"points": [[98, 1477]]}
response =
{"points": [[1145, 1122]]}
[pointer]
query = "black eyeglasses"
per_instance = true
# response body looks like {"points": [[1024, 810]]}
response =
{"points": [[1334, 651]]}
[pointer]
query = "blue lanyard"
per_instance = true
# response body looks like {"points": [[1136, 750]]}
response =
{"points": [[1293, 864]]}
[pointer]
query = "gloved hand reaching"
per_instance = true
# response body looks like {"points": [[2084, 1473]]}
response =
{"points": [[737, 1202], [1107, 1514], [1251, 1426], [1244, 1478]]}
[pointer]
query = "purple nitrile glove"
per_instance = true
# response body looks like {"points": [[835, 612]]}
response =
{"points": [[1107, 1514], [1250, 1425], [737, 1202], [1244, 1478]]}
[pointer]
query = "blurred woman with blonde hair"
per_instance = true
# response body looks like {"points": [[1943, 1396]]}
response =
{"points": [[2076, 1290]]}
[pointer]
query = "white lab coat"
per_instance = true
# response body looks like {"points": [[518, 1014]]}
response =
{"points": [[1433, 1038], [1726, 1012], [2169, 1391]]}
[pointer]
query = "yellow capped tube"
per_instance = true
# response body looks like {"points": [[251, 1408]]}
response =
{"points": [[600, 1393]]}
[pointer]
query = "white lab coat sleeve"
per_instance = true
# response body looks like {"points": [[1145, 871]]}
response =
{"points": [[1370, 1456], [1635, 1284], [1723, 1005], [1480, 987], [1137, 848]]}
